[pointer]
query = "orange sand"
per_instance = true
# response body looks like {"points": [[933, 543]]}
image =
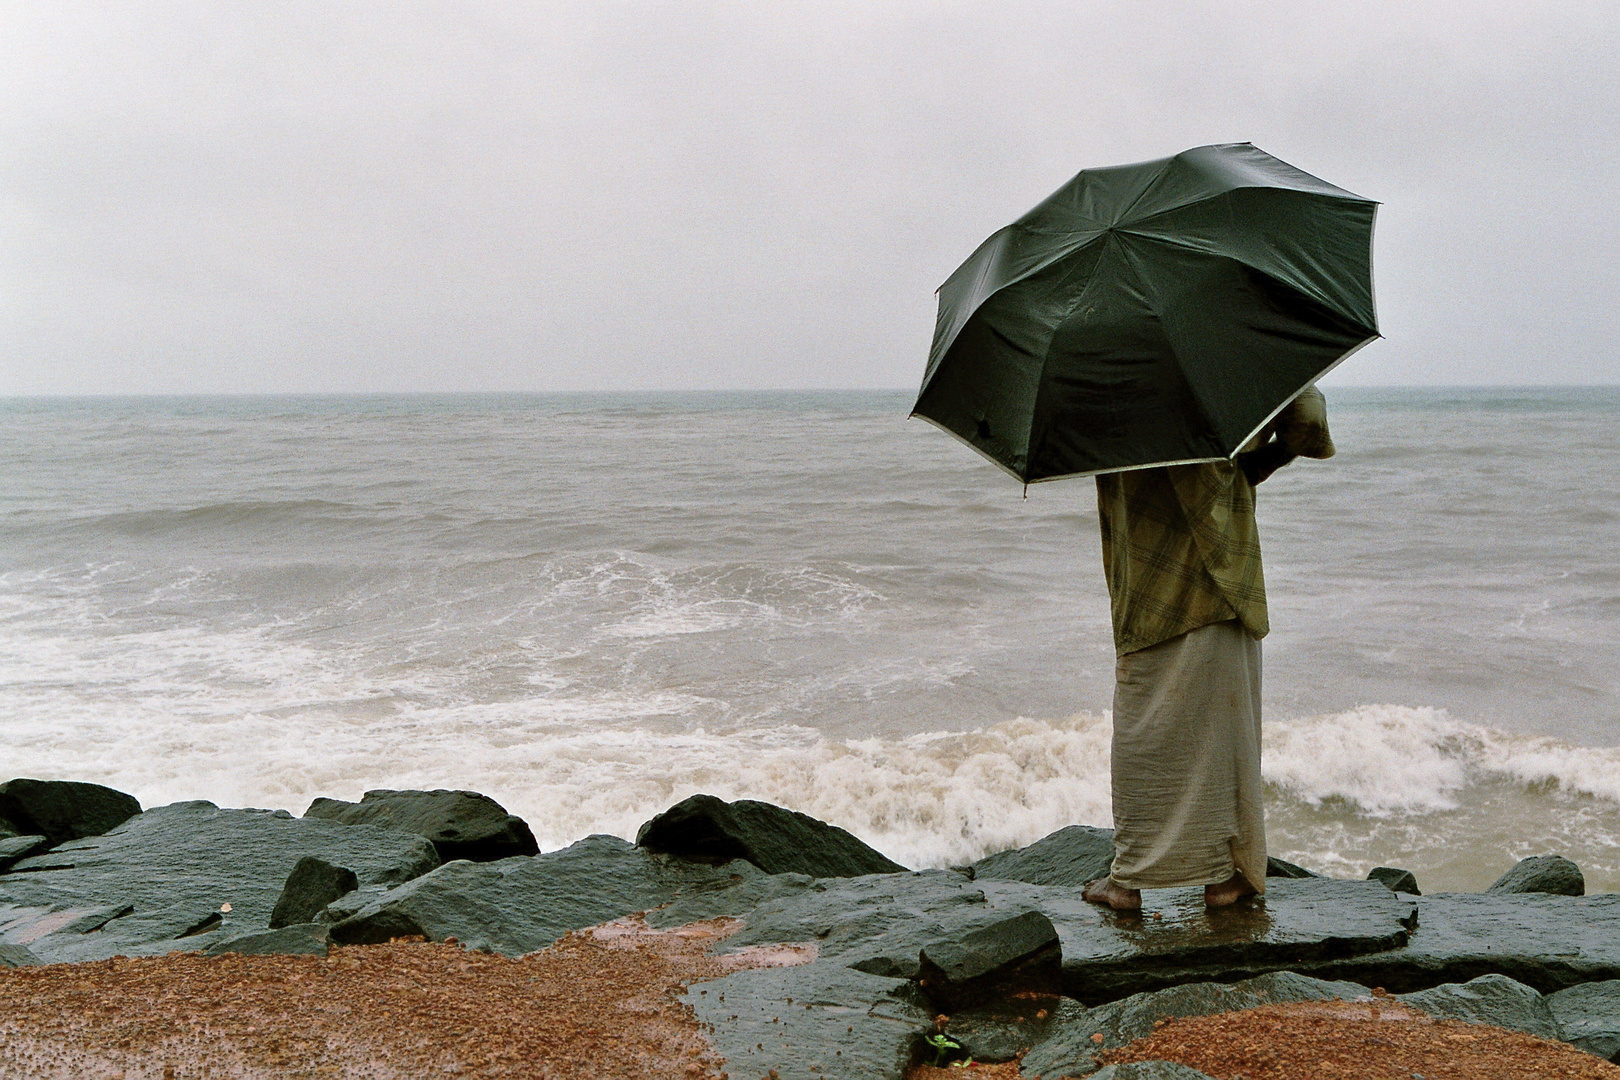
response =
{"points": [[602, 1004]]}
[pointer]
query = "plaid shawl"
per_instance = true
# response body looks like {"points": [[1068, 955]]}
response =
{"points": [[1181, 551]]}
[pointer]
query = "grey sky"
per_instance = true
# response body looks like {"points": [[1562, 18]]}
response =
{"points": [[353, 196]]}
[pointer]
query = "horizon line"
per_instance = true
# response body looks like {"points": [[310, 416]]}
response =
{"points": [[156, 394]]}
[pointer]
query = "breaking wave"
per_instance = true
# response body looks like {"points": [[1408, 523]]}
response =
{"points": [[1347, 790]]}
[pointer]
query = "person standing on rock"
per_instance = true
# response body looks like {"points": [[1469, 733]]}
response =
{"points": [[1182, 557]]}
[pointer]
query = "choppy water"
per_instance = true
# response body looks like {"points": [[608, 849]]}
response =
{"points": [[592, 606]]}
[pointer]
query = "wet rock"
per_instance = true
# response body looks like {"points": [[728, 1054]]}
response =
{"points": [[879, 924], [775, 839], [515, 906], [1071, 856], [313, 884], [1396, 880], [461, 824], [995, 1034], [1150, 1070], [16, 956], [350, 903], [299, 939], [1542, 874], [733, 896], [1276, 867], [1489, 999], [1588, 1016], [817, 1021], [25, 924], [1015, 955], [13, 848], [62, 810], [1176, 938], [183, 876], [1546, 942], [1074, 1043]]}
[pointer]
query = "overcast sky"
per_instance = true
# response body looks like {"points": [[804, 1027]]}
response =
{"points": [[463, 195]]}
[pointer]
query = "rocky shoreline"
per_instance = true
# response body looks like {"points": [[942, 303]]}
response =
{"points": [[1000, 960]]}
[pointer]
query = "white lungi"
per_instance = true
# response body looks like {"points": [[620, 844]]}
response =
{"points": [[1186, 761]]}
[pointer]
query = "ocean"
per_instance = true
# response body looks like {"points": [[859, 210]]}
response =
{"points": [[591, 606]]}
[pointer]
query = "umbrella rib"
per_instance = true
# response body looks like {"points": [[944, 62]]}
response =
{"points": [[1303, 287], [981, 451], [1147, 187], [1121, 468], [1110, 242], [937, 354], [1206, 425], [1258, 428]]}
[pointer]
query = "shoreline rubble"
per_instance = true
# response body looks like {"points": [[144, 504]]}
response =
{"points": [[1002, 957]]}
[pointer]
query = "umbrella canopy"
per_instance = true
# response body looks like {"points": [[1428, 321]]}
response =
{"points": [[1151, 314]]}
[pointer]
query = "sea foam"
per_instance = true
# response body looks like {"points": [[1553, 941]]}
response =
{"points": [[1413, 777], [1383, 759]]}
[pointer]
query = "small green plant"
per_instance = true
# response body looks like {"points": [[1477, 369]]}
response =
{"points": [[943, 1044], [964, 1063]]}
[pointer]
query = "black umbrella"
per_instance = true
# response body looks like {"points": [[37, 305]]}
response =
{"points": [[1151, 314]]}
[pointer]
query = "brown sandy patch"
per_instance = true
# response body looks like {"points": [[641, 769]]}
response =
{"points": [[1337, 1040], [1343, 1040], [600, 1004]]}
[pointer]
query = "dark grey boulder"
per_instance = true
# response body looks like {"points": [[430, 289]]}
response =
{"points": [[1542, 874], [1546, 942], [13, 848], [299, 939], [1588, 1016], [1150, 1070], [17, 956], [817, 1021], [516, 906], [1395, 880], [1489, 999], [1074, 1043], [461, 824], [773, 838], [1276, 867], [163, 879], [62, 810], [313, 884], [1018, 954], [1071, 856], [879, 924]]}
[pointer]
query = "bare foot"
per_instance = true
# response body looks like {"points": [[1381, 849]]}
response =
{"points": [[1228, 892], [1104, 891]]}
